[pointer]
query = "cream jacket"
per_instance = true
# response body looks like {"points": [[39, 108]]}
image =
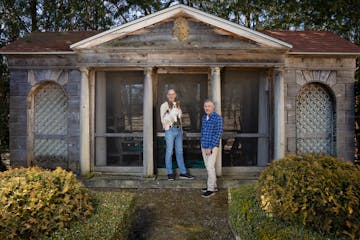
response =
{"points": [[169, 116]]}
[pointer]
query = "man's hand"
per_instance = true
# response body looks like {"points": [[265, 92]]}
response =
{"points": [[208, 152]]}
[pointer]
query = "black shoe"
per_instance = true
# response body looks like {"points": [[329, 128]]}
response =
{"points": [[207, 194], [186, 176], [205, 190], [171, 177]]}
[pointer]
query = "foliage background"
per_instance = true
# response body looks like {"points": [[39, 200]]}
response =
{"points": [[20, 17]]}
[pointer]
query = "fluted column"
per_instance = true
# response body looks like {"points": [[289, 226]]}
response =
{"points": [[279, 119], [84, 122], [216, 98], [148, 132]]}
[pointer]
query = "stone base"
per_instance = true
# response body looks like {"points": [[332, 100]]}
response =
{"points": [[128, 182]]}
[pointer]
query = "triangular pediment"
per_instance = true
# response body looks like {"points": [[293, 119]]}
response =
{"points": [[180, 33], [183, 27]]}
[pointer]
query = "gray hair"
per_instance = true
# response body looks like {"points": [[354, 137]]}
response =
{"points": [[209, 101], [171, 89]]}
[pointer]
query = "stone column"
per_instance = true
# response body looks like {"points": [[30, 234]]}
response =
{"points": [[148, 133], [84, 122], [279, 119], [216, 98]]}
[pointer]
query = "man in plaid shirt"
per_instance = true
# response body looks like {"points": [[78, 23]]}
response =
{"points": [[211, 130]]}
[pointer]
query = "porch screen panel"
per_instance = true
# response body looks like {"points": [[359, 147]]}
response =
{"points": [[119, 120], [191, 90], [241, 91]]}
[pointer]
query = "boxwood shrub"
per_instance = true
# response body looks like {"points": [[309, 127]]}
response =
{"points": [[314, 190], [112, 219], [36, 202], [250, 222]]}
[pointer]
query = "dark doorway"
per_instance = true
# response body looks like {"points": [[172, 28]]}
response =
{"points": [[192, 90]]}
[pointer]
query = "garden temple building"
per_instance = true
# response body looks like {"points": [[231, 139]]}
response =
{"points": [[89, 101]]}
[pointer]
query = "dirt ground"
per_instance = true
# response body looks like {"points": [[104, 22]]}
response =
{"points": [[163, 214]]}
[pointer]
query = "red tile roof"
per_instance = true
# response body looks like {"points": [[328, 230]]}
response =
{"points": [[302, 41], [314, 41], [47, 41]]}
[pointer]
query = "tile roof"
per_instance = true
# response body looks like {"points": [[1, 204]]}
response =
{"points": [[47, 41], [302, 41], [314, 41]]}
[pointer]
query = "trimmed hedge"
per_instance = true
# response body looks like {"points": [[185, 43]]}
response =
{"points": [[36, 202], [112, 219], [250, 222], [314, 190]]}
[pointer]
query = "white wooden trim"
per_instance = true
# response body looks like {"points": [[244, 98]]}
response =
{"points": [[154, 18]]}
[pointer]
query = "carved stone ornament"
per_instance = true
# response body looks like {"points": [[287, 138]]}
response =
{"points": [[181, 28]]}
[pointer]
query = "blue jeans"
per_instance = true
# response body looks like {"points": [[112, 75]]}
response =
{"points": [[174, 135]]}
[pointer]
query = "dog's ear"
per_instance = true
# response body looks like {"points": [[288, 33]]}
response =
{"points": [[178, 104], [170, 105]]}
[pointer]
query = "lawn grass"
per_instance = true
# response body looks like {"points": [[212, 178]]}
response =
{"points": [[250, 222], [112, 219]]}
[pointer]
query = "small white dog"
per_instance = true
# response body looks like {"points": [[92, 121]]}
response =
{"points": [[173, 113]]}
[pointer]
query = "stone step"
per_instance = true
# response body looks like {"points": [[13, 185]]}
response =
{"points": [[121, 181]]}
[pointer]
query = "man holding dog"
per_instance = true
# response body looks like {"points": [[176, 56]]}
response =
{"points": [[170, 115]]}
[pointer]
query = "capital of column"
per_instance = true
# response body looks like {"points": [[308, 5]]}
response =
{"points": [[148, 70], [215, 70], [84, 70]]}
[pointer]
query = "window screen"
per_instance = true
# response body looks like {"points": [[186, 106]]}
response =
{"points": [[119, 118], [240, 101], [240, 111]]}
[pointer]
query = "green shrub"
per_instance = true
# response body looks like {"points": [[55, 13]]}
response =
{"points": [[314, 190], [35, 202], [250, 222], [112, 219]]}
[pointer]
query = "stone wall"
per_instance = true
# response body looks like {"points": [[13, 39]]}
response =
{"points": [[22, 84], [338, 75], [19, 90]]}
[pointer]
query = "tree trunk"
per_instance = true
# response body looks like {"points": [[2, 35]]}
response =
{"points": [[33, 13]]}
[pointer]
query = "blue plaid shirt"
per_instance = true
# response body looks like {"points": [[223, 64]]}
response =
{"points": [[211, 130]]}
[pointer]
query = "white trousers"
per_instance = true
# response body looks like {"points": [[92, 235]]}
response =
{"points": [[210, 167]]}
